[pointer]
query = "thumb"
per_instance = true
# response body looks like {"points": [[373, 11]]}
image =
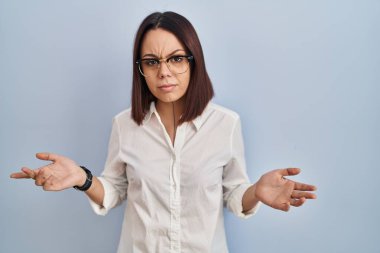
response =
{"points": [[290, 171], [47, 156]]}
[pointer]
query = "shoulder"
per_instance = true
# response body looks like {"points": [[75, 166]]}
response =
{"points": [[123, 114], [219, 110], [124, 118], [216, 116]]}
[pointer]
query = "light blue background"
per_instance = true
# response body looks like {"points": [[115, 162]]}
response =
{"points": [[303, 75]]}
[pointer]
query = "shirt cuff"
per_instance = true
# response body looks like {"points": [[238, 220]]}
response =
{"points": [[108, 189], [236, 203]]}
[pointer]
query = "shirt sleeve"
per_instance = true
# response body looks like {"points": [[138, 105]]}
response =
{"points": [[113, 178], [235, 178]]}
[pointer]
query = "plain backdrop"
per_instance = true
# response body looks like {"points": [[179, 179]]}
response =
{"points": [[303, 75]]}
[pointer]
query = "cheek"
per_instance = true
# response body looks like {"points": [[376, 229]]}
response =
{"points": [[184, 82], [150, 85]]}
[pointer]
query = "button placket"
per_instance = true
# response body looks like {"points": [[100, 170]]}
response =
{"points": [[175, 193], [175, 207]]}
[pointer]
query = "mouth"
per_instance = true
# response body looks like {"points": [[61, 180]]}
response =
{"points": [[167, 87]]}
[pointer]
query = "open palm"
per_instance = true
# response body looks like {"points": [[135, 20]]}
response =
{"points": [[274, 190], [61, 174]]}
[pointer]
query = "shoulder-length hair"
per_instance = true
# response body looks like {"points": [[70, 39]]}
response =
{"points": [[199, 91]]}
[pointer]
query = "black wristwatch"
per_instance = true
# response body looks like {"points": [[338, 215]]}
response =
{"points": [[88, 182]]}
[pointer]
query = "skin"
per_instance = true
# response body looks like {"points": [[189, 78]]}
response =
{"points": [[62, 173], [272, 189], [161, 44]]}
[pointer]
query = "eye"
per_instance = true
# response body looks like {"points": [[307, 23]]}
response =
{"points": [[151, 62], [176, 59]]}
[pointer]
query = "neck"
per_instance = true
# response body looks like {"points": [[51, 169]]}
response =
{"points": [[170, 111], [170, 114]]}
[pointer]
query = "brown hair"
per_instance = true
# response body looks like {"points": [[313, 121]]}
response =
{"points": [[199, 91]]}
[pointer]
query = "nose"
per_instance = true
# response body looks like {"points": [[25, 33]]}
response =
{"points": [[163, 69]]}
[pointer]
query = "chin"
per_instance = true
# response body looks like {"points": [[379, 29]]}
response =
{"points": [[168, 99]]}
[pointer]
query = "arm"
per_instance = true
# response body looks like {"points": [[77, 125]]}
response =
{"points": [[249, 199], [276, 191], [96, 191], [235, 179]]}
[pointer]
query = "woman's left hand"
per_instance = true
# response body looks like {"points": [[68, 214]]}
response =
{"points": [[276, 191]]}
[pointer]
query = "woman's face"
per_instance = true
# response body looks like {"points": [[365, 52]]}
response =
{"points": [[165, 85]]}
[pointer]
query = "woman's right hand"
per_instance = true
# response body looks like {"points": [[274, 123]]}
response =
{"points": [[61, 174]]}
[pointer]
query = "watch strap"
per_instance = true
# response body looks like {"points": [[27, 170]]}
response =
{"points": [[88, 182]]}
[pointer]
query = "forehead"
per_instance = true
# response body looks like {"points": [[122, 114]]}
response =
{"points": [[160, 42]]}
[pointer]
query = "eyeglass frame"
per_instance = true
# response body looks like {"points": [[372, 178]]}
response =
{"points": [[166, 60]]}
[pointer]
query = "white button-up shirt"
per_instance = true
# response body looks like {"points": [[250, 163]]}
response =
{"points": [[175, 194]]}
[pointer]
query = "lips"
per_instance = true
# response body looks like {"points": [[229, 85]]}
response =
{"points": [[167, 87]]}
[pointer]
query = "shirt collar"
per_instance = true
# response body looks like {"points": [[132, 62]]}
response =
{"points": [[197, 122], [152, 109]]}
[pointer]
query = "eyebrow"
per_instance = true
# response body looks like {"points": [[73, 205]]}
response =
{"points": [[172, 53]]}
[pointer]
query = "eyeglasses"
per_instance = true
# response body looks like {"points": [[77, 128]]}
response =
{"points": [[177, 64]]}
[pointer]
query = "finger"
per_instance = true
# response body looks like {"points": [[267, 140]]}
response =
{"points": [[41, 177], [49, 184], [290, 171], [38, 182], [26, 173], [304, 187], [297, 202], [45, 172], [47, 156], [31, 173], [284, 207], [302, 194], [19, 175]]}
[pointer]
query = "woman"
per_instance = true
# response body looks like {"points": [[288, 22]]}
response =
{"points": [[176, 157]]}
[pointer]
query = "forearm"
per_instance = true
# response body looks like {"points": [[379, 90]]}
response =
{"points": [[96, 191], [249, 198]]}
